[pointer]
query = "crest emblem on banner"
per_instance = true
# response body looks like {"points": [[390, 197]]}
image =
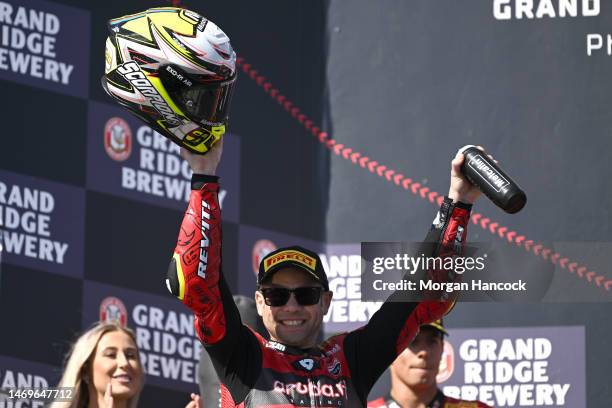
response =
{"points": [[261, 248], [447, 363], [117, 139], [112, 310]]}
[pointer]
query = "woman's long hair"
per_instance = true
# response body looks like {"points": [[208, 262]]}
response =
{"points": [[79, 362]]}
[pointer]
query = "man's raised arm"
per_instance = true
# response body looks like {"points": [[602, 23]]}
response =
{"points": [[194, 275], [392, 328]]}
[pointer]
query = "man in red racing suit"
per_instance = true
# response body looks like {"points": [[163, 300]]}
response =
{"points": [[291, 369]]}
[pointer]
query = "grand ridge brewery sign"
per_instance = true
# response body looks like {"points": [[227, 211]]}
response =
{"points": [[131, 160], [519, 367], [28, 43], [45, 44], [25, 218]]}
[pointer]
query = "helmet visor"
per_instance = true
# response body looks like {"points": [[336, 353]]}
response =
{"points": [[204, 101]]}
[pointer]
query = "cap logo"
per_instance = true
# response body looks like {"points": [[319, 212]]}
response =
{"points": [[290, 255]]}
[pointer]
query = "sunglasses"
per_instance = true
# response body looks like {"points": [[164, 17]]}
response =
{"points": [[305, 296]]}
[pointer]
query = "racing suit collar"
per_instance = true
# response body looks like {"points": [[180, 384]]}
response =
{"points": [[283, 348], [437, 402]]}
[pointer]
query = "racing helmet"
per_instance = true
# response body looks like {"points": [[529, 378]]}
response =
{"points": [[175, 70]]}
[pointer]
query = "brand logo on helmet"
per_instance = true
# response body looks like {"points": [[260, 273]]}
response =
{"points": [[290, 255], [202, 24], [179, 76], [131, 71], [447, 363], [261, 248], [192, 15], [112, 310], [117, 139]]}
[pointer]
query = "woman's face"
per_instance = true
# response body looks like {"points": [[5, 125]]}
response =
{"points": [[116, 361]]}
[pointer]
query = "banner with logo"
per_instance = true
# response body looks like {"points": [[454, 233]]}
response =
{"points": [[16, 374], [516, 367], [169, 348], [42, 224], [126, 158], [46, 45]]}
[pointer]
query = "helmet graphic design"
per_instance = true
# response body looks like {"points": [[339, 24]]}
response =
{"points": [[175, 70]]}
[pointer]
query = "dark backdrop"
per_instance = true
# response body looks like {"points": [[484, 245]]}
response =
{"points": [[403, 83]]}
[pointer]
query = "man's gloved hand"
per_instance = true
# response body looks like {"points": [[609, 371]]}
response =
{"points": [[460, 187]]}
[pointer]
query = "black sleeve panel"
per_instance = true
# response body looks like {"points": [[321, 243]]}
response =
{"points": [[197, 180], [372, 348], [237, 358]]}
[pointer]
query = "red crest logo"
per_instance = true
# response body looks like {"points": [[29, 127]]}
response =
{"points": [[447, 363], [261, 248], [112, 310], [117, 139]]}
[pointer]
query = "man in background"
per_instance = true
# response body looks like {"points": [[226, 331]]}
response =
{"points": [[413, 375]]}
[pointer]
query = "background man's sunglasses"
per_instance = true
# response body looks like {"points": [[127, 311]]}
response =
{"points": [[305, 296]]}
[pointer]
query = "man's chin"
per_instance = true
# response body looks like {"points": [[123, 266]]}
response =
{"points": [[293, 339], [293, 342], [423, 380]]}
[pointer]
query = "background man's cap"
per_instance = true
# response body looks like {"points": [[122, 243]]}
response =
{"points": [[294, 256], [438, 325]]}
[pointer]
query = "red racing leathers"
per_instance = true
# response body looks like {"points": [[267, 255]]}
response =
{"points": [[262, 373]]}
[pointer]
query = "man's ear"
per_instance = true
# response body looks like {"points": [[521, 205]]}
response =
{"points": [[259, 302], [326, 299]]}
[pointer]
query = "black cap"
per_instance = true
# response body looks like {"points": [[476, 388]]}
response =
{"points": [[438, 325], [294, 256]]}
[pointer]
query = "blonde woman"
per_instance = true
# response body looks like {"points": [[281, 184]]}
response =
{"points": [[104, 368]]}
